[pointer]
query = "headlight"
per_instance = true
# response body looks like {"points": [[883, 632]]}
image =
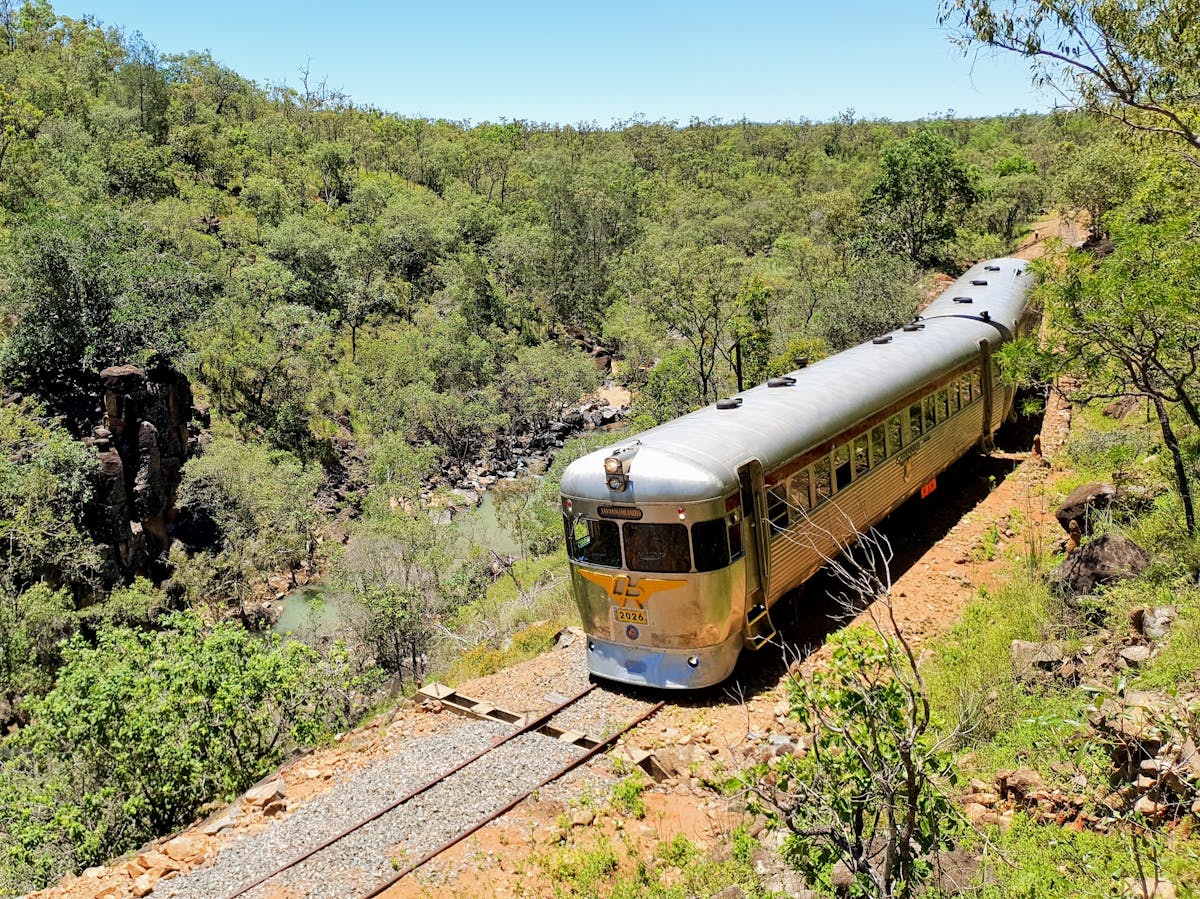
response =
{"points": [[612, 465]]}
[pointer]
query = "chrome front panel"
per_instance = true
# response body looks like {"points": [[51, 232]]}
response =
{"points": [[704, 610], [670, 669]]}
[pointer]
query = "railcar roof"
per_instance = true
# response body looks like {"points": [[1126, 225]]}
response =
{"points": [[696, 457]]}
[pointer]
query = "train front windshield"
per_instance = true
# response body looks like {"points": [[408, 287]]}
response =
{"points": [[639, 546]]}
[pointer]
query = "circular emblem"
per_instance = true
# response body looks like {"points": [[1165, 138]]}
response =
{"points": [[631, 632]]}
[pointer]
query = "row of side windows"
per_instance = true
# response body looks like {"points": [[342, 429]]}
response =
{"points": [[789, 501]]}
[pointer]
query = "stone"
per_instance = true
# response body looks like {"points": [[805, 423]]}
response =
{"points": [[1153, 622], [582, 817], [1135, 656], [1150, 889], [1031, 660], [1018, 784], [1148, 807], [1110, 557], [184, 848], [267, 792], [143, 886], [275, 808], [1083, 505]]}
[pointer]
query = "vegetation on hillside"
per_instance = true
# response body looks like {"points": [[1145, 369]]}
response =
{"points": [[360, 298]]}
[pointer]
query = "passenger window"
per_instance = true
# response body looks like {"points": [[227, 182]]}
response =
{"points": [[943, 400], [895, 435], [822, 488], [914, 420], [735, 534], [799, 490], [930, 405], [657, 547], [710, 544], [777, 510], [878, 444], [841, 466], [862, 459], [956, 395], [976, 387], [593, 541]]}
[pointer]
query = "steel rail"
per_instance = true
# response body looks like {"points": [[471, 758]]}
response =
{"points": [[533, 724], [599, 747]]}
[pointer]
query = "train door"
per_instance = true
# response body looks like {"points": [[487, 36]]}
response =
{"points": [[989, 394], [756, 538]]}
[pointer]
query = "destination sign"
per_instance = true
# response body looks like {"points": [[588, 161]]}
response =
{"points": [[626, 513]]}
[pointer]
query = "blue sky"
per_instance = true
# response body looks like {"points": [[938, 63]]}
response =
{"points": [[574, 62]]}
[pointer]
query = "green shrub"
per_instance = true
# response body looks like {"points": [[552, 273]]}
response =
{"points": [[143, 729]]}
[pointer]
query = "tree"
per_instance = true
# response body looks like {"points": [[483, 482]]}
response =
{"points": [[868, 795], [146, 727], [45, 487], [1096, 179], [1136, 62], [89, 289], [394, 568], [1129, 325], [696, 295], [921, 193]]}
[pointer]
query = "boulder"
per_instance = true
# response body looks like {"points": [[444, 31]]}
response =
{"points": [[1084, 503], [1153, 622], [1108, 558], [1030, 661]]}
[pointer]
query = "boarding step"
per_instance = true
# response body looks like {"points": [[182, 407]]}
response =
{"points": [[759, 629]]}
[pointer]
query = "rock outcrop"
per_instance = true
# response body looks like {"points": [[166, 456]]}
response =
{"points": [[142, 445], [1108, 558], [1084, 505]]}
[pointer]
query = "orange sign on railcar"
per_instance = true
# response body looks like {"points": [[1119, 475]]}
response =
{"points": [[929, 488]]}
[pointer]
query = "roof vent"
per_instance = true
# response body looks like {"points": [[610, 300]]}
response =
{"points": [[991, 268], [980, 282], [964, 299], [785, 381], [802, 362], [887, 338], [729, 402], [985, 315], [915, 326]]}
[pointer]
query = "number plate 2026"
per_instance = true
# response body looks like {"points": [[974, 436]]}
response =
{"points": [[630, 616]]}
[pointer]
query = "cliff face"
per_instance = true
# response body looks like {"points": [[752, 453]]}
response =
{"points": [[142, 445]]}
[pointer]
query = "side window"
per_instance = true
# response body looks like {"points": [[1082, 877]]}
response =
{"points": [[943, 402], [799, 490], [976, 386], [777, 510], [914, 420], [822, 486], [895, 434], [956, 395], [590, 540], [734, 520], [841, 466], [878, 444], [930, 405], [862, 459], [710, 546]]}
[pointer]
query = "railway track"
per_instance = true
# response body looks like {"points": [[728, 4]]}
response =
{"points": [[495, 762]]}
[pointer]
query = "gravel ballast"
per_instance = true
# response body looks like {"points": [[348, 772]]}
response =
{"points": [[355, 864]]}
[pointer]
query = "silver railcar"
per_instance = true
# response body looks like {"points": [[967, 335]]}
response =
{"points": [[682, 539]]}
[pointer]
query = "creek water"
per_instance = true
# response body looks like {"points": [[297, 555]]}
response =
{"points": [[314, 609]]}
